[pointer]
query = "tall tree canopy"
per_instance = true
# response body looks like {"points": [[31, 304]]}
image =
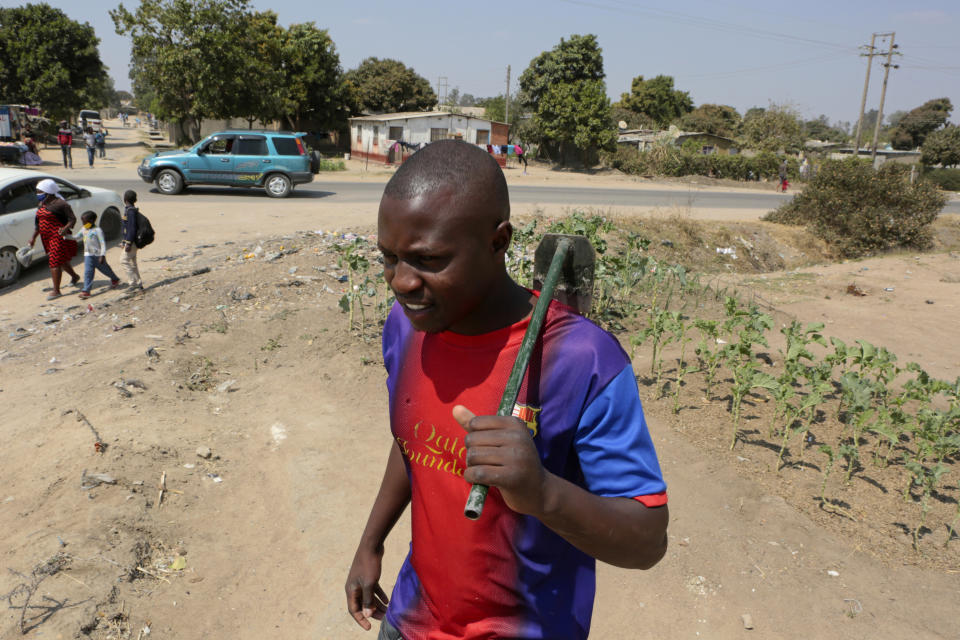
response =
{"points": [[50, 60], [199, 59], [564, 89], [913, 128], [657, 99], [821, 129], [942, 147], [385, 86], [774, 129], [718, 119], [188, 55]]}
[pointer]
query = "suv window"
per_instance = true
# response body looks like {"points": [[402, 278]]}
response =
{"points": [[218, 145], [286, 146], [250, 146]]}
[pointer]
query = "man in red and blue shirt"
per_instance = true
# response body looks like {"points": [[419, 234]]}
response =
{"points": [[574, 476]]}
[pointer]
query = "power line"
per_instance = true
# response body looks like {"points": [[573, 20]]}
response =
{"points": [[707, 23]]}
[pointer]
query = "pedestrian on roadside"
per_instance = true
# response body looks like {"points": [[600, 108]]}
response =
{"points": [[94, 253], [90, 140], [65, 140], [54, 219], [521, 157], [129, 244], [805, 170], [573, 477], [783, 176], [101, 141]]}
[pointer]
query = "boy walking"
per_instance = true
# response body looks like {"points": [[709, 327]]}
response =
{"points": [[94, 253], [129, 244], [90, 140], [573, 479]]}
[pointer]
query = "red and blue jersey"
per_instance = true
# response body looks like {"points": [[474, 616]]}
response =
{"points": [[507, 575]]}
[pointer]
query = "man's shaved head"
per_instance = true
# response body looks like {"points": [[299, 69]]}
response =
{"points": [[452, 164]]}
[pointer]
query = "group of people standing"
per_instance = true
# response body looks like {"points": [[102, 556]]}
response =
{"points": [[54, 224], [95, 143]]}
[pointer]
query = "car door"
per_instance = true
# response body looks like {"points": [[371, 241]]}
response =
{"points": [[213, 163], [18, 209], [251, 159]]}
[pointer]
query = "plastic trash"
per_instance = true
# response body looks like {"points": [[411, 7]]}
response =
{"points": [[23, 255]]}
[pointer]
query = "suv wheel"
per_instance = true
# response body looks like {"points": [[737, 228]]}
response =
{"points": [[9, 266], [169, 182], [277, 185]]}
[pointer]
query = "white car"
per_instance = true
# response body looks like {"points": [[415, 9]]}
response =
{"points": [[18, 208], [89, 118]]}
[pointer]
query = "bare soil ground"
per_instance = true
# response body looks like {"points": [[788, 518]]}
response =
{"points": [[253, 361]]}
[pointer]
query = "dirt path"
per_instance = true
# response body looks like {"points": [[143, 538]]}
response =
{"points": [[253, 360]]}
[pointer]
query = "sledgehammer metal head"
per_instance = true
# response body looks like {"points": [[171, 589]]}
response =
{"points": [[575, 285], [564, 266]]}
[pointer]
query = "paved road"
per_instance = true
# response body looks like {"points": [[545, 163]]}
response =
{"points": [[369, 192]]}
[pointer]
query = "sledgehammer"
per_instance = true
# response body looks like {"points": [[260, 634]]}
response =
{"points": [[562, 270]]}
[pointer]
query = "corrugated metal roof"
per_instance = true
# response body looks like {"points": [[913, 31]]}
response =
{"points": [[407, 115]]}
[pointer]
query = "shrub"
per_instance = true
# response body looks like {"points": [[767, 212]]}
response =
{"points": [[859, 211], [948, 179]]}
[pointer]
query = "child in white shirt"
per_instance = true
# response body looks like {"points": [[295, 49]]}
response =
{"points": [[94, 254]]}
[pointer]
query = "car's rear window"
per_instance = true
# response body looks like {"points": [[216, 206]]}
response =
{"points": [[250, 147], [286, 146], [90, 115]]}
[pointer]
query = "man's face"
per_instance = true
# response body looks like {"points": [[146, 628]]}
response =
{"points": [[442, 259]]}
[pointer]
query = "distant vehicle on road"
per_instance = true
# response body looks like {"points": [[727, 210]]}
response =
{"points": [[18, 206], [273, 160], [89, 118]]}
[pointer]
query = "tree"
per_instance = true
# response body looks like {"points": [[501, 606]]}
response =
{"points": [[188, 57], [657, 99], [717, 119], [384, 86], [774, 129], [821, 129], [258, 95], [565, 92], [942, 147], [913, 128], [468, 100], [495, 109], [49, 60], [312, 84]]}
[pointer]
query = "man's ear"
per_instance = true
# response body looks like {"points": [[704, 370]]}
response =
{"points": [[502, 236]]}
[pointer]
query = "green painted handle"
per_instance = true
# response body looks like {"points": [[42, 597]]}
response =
{"points": [[478, 492]]}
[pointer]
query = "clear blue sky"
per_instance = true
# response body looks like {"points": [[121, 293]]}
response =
{"points": [[743, 53]]}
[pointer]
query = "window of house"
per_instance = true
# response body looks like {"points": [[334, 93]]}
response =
{"points": [[376, 135], [437, 134], [359, 133], [396, 133], [483, 136]]}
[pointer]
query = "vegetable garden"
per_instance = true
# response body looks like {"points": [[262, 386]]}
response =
{"points": [[861, 441]]}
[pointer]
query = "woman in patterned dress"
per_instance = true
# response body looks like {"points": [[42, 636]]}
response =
{"points": [[54, 219]]}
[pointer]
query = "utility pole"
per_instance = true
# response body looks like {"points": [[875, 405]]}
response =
{"points": [[866, 83], [506, 111], [883, 92], [442, 90]]}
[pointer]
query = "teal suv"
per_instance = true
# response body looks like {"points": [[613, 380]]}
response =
{"points": [[275, 161]]}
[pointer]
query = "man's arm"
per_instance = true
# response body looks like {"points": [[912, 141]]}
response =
{"points": [[619, 531], [365, 597]]}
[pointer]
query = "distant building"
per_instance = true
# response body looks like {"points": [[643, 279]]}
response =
{"points": [[645, 139], [392, 137], [838, 151]]}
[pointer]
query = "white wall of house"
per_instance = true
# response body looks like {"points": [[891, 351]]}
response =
{"points": [[376, 136]]}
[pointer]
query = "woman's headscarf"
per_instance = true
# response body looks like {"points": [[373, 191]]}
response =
{"points": [[49, 187]]}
